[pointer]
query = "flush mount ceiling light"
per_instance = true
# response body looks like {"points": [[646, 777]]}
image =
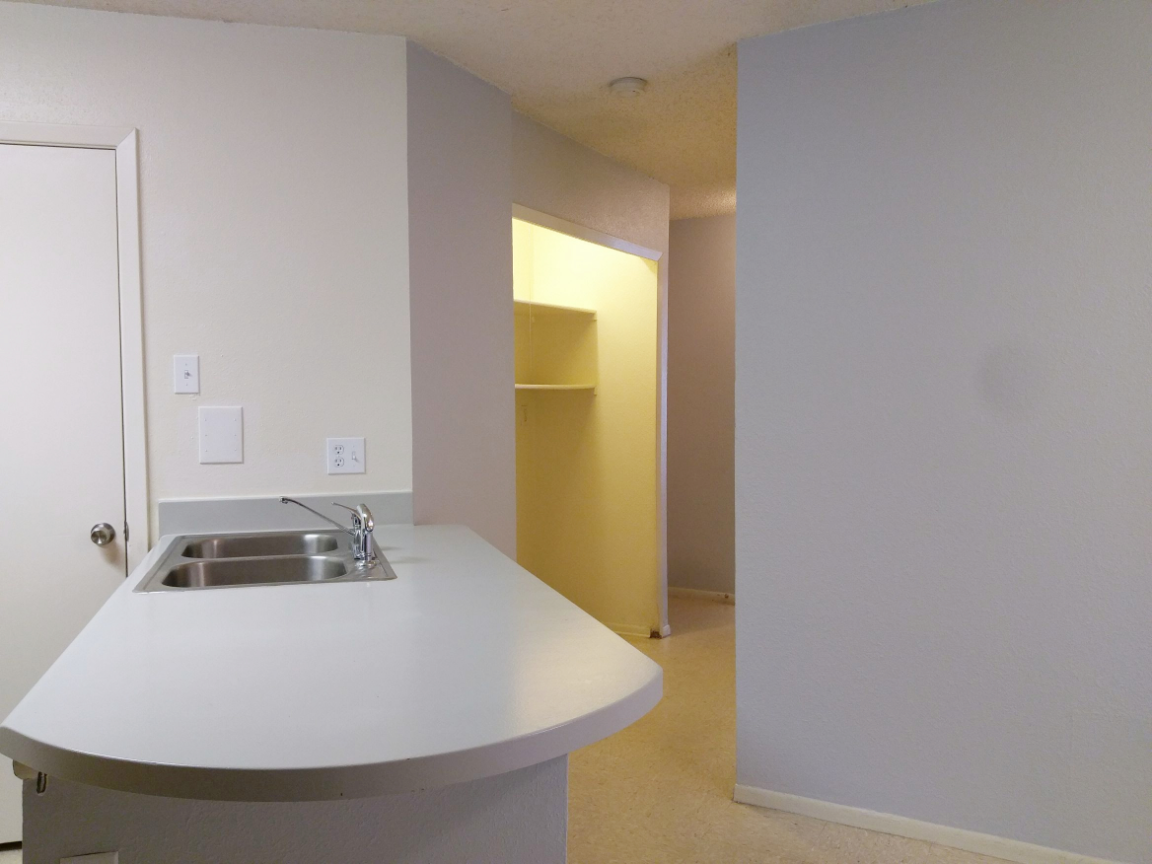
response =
{"points": [[628, 86]]}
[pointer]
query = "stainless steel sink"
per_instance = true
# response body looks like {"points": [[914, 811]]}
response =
{"points": [[205, 561], [260, 545], [253, 571]]}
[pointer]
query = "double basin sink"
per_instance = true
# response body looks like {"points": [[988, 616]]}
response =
{"points": [[274, 558]]}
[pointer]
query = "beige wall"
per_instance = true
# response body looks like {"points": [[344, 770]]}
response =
{"points": [[273, 229], [701, 403], [263, 178], [460, 236]]}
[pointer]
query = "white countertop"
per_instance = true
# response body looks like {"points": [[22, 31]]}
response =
{"points": [[463, 667]]}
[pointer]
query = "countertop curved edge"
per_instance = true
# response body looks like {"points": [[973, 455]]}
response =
{"points": [[336, 782]]}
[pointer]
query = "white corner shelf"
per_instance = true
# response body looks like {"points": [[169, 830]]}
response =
{"points": [[523, 307], [555, 386]]}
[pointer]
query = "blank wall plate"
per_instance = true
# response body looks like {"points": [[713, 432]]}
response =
{"points": [[186, 373], [345, 455], [221, 434]]}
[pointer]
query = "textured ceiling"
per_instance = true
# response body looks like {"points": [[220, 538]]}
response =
{"points": [[555, 57]]}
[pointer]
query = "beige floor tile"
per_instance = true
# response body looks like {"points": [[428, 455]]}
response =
{"points": [[660, 792]]}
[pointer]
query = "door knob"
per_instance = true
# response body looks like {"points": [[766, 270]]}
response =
{"points": [[102, 534]]}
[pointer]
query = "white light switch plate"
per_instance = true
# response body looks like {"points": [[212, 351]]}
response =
{"points": [[345, 455], [186, 373], [221, 434], [96, 858]]}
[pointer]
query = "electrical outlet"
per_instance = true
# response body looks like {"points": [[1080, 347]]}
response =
{"points": [[345, 455]]}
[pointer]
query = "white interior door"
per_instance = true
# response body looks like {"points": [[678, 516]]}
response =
{"points": [[61, 441]]}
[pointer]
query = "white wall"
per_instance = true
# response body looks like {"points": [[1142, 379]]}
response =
{"points": [[460, 212], [701, 403], [943, 452], [555, 175], [274, 229]]}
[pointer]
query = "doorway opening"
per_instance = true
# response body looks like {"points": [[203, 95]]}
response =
{"points": [[587, 424]]}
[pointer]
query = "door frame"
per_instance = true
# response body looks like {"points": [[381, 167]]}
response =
{"points": [[582, 232], [122, 140]]}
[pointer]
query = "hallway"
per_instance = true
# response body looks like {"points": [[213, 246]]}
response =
{"points": [[660, 792]]}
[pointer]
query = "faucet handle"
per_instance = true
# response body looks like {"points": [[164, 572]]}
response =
{"points": [[361, 513], [366, 517], [362, 526], [358, 513]]}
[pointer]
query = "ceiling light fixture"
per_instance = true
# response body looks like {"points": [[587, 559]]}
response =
{"points": [[629, 86]]}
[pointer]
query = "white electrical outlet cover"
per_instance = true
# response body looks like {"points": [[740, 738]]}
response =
{"points": [[221, 435], [186, 373], [345, 455]]}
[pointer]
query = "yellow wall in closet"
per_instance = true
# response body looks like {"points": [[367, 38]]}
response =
{"points": [[586, 480]]}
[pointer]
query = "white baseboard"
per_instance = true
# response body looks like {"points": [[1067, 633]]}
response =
{"points": [[694, 594], [958, 838]]}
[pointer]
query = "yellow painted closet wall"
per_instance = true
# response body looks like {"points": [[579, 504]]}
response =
{"points": [[586, 462]]}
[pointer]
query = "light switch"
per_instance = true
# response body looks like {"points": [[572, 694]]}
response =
{"points": [[345, 455], [221, 434], [186, 373]]}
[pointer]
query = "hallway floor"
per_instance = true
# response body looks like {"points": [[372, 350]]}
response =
{"points": [[660, 792]]}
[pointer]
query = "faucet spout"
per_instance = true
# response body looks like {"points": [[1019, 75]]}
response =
{"points": [[362, 526], [285, 500]]}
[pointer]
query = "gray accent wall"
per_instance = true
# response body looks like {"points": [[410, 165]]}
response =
{"points": [[702, 404], [460, 276], [944, 418]]}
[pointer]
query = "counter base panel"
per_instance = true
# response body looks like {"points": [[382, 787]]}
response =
{"points": [[513, 817]]}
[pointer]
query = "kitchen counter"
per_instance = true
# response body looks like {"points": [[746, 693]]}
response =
{"points": [[464, 667]]}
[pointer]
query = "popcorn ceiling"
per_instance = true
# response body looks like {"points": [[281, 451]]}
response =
{"points": [[556, 59]]}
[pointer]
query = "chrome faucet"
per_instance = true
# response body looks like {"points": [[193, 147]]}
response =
{"points": [[361, 530]]}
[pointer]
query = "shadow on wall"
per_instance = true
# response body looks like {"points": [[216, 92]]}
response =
{"points": [[701, 404]]}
